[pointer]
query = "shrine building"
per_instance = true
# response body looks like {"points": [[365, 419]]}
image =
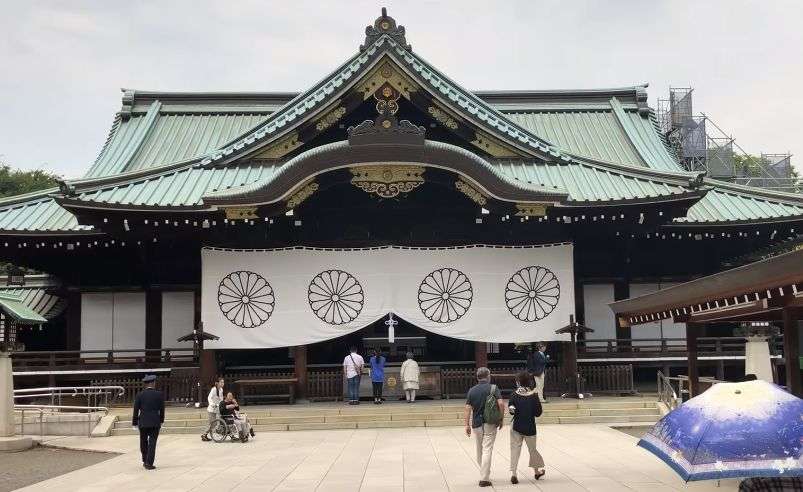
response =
{"points": [[385, 207]]}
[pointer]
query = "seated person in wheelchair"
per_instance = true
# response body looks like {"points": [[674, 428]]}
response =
{"points": [[230, 412]]}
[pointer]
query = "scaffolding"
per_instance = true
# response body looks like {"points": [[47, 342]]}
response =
{"points": [[701, 145]]}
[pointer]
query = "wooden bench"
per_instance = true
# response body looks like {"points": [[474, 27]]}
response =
{"points": [[245, 384]]}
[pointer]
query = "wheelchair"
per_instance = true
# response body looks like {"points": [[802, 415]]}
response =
{"points": [[224, 428]]}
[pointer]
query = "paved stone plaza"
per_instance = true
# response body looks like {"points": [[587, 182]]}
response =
{"points": [[579, 457]]}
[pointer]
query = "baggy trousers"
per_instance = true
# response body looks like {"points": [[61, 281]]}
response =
{"points": [[147, 444], [539, 385], [536, 460], [485, 437]]}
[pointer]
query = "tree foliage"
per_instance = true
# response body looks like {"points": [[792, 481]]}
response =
{"points": [[17, 181]]}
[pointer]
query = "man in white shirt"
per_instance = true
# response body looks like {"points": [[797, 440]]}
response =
{"points": [[214, 398], [352, 369]]}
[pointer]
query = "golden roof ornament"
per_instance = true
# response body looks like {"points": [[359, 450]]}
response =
{"points": [[385, 24]]}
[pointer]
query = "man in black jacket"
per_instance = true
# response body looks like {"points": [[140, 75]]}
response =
{"points": [[536, 365], [149, 415]]}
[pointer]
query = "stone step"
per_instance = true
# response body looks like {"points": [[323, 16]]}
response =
{"points": [[261, 419], [366, 407], [374, 424]]}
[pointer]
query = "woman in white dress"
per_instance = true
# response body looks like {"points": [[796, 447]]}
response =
{"points": [[409, 376]]}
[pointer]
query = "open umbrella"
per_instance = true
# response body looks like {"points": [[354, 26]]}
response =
{"points": [[732, 430]]}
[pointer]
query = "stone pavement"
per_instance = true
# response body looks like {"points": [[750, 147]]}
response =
{"points": [[580, 457]]}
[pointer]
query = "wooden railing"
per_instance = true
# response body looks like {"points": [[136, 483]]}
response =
{"points": [[100, 359], [617, 379], [177, 388], [665, 347]]}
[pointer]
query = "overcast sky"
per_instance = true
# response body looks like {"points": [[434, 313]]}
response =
{"points": [[64, 62]]}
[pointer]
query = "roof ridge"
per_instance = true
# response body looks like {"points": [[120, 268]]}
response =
{"points": [[25, 197], [793, 198]]}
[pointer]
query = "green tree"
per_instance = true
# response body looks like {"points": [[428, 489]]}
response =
{"points": [[16, 181]]}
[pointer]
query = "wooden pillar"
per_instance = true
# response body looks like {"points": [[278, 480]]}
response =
{"points": [[570, 368], [300, 366], [791, 351], [692, 332], [153, 324], [481, 354], [208, 370], [621, 291], [72, 333]]}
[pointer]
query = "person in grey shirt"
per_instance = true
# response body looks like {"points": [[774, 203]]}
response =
{"points": [[484, 433]]}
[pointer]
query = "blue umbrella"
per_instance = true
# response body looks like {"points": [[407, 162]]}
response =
{"points": [[732, 430]]}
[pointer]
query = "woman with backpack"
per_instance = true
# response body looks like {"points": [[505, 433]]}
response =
{"points": [[524, 405]]}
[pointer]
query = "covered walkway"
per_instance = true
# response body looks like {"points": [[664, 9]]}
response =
{"points": [[767, 290]]}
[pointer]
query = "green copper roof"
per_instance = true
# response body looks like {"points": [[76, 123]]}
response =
{"points": [[34, 295], [591, 183], [161, 137], [184, 187], [315, 99], [13, 305], [37, 214], [727, 203]]}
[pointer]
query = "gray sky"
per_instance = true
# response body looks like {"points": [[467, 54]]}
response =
{"points": [[63, 62]]}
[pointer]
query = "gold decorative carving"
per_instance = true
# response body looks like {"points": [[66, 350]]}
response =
{"points": [[442, 117], [471, 192], [302, 194], [330, 118], [492, 146], [387, 72], [531, 209], [281, 147], [237, 213], [387, 181]]}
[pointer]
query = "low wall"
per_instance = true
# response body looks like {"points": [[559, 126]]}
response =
{"points": [[56, 424]]}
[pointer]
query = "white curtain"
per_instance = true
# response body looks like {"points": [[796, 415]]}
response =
{"points": [[297, 296], [178, 315], [113, 320], [598, 314]]}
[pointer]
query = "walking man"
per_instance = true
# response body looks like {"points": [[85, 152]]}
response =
{"points": [[352, 369], [483, 416], [149, 415], [536, 364]]}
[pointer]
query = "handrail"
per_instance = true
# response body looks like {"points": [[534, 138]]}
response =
{"points": [[666, 393], [41, 408], [91, 393]]}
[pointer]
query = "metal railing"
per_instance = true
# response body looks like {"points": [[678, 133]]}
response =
{"points": [[666, 393], [674, 390], [93, 395], [89, 411], [97, 399]]}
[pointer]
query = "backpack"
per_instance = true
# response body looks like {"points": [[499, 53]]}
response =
{"points": [[490, 411]]}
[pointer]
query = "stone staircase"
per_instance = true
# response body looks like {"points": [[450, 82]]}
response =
{"points": [[441, 413]]}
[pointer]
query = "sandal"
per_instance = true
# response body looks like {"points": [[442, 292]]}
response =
{"points": [[540, 474]]}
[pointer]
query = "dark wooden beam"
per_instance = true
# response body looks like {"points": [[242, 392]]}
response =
{"points": [[300, 366], [791, 350], [621, 290], [73, 332], [153, 319], [692, 332], [481, 354]]}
